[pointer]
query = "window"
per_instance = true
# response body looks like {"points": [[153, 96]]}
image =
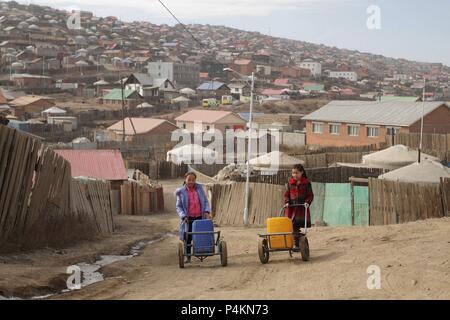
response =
{"points": [[335, 129], [372, 132], [317, 128], [208, 127], [353, 130], [392, 131], [184, 125]]}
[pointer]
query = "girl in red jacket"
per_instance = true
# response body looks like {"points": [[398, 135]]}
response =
{"points": [[298, 191]]}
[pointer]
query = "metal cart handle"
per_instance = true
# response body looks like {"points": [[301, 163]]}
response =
{"points": [[306, 205]]}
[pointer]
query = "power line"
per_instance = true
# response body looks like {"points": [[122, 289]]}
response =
{"points": [[184, 27]]}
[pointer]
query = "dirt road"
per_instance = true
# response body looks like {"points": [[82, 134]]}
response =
{"points": [[414, 260]]}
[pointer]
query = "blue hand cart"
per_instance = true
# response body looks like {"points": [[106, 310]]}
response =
{"points": [[205, 243]]}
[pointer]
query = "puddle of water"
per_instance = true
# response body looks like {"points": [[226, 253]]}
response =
{"points": [[91, 272]]}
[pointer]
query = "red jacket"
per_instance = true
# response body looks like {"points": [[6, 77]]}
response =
{"points": [[298, 192]]}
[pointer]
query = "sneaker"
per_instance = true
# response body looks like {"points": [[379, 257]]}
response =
{"points": [[188, 260]]}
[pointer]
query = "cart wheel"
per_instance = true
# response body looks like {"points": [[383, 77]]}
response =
{"points": [[181, 254], [263, 251], [304, 248], [223, 253]]}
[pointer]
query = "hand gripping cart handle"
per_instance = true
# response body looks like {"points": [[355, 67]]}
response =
{"points": [[306, 205]]}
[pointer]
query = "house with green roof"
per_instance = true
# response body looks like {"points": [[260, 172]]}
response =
{"points": [[313, 87], [114, 97]]}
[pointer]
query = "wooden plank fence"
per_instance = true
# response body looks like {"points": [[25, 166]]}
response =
{"points": [[158, 170], [35, 195], [228, 202], [324, 175], [445, 191], [437, 145], [138, 199], [92, 199], [393, 202], [322, 160]]}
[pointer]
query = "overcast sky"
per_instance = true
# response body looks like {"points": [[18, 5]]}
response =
{"points": [[411, 29]]}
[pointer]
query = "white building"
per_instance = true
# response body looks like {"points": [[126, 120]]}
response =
{"points": [[314, 67], [400, 77], [348, 75], [180, 74]]}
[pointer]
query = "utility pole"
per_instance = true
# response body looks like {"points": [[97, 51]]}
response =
{"points": [[123, 108], [421, 122], [247, 179]]}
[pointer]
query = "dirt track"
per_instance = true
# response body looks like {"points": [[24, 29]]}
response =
{"points": [[414, 260]]}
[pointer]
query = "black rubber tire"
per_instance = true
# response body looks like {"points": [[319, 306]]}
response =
{"points": [[223, 254], [263, 251], [181, 254], [304, 248]]}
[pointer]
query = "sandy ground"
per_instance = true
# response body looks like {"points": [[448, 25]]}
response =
{"points": [[414, 260]]}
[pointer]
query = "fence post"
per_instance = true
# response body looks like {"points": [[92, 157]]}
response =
{"points": [[353, 201]]}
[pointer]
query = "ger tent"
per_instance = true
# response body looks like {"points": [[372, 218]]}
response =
{"points": [[188, 91], [394, 157], [54, 111], [427, 171], [192, 153], [275, 159]]}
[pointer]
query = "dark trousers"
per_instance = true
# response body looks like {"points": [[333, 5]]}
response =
{"points": [[298, 223], [189, 236]]}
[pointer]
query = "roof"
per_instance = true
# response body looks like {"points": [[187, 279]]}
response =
{"points": [[281, 81], [2, 98], [313, 87], [142, 78], [208, 116], [273, 92], [427, 171], [141, 125], [242, 61], [26, 75], [55, 110], [116, 94], [181, 99], [394, 157], [401, 114], [211, 85], [98, 164], [26, 100], [399, 98], [238, 85], [275, 159]]}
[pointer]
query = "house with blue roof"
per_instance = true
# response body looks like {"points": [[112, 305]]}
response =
{"points": [[213, 89]]}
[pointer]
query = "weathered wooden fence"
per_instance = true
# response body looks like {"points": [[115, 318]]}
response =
{"points": [[322, 160], [323, 175], [92, 199], [158, 170], [437, 145], [138, 199], [393, 202], [35, 195], [228, 201], [445, 191]]}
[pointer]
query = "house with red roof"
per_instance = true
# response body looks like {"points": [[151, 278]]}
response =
{"points": [[105, 165]]}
